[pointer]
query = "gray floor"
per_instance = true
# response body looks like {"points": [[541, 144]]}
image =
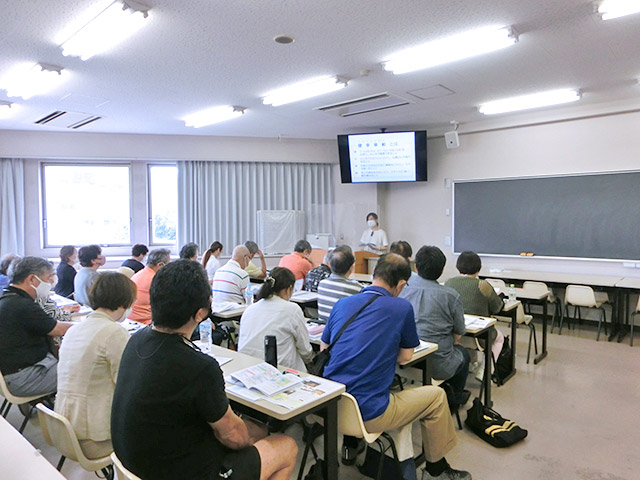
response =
{"points": [[580, 406]]}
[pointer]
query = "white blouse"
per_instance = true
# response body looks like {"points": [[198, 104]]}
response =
{"points": [[213, 264], [276, 316], [375, 237]]}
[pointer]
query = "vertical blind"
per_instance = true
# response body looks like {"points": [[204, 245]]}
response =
{"points": [[11, 206], [219, 200]]}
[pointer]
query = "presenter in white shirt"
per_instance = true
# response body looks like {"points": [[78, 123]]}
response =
{"points": [[374, 239]]}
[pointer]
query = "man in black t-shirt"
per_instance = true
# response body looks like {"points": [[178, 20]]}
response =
{"points": [[171, 418], [138, 252], [26, 363]]}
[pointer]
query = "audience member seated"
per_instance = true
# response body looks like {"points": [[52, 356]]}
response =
{"points": [[478, 297], [157, 259], [298, 261], [252, 269], [316, 275], [28, 366], [403, 248], [273, 314], [66, 272], [365, 357], [210, 260], [171, 418], [4, 267], [230, 281], [89, 362], [91, 260], [138, 252], [189, 252], [439, 319], [337, 285]]}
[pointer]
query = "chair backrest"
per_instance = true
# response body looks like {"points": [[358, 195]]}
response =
{"points": [[58, 432], [580, 295], [537, 288], [123, 473], [638, 306], [126, 271], [350, 419], [497, 283]]}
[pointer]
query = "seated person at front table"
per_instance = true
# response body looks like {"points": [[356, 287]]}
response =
{"points": [[252, 269], [230, 281], [89, 361], [374, 239], [404, 249], [138, 252], [210, 260], [171, 418], [65, 272], [365, 357], [29, 368], [337, 285], [274, 314], [477, 295], [298, 261], [439, 319], [157, 259], [189, 251], [4, 267], [91, 259], [316, 275]]}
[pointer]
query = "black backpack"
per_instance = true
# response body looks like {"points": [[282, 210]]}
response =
{"points": [[491, 427]]}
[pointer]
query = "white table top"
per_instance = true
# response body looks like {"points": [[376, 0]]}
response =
{"points": [[361, 277], [472, 329], [420, 354], [304, 296], [20, 460], [555, 277], [523, 293], [240, 361], [629, 282]]}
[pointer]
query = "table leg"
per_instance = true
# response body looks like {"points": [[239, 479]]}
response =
{"points": [[331, 439], [543, 353], [427, 374], [487, 368]]}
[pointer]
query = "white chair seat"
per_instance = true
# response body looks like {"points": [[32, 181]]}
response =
{"points": [[12, 399]]}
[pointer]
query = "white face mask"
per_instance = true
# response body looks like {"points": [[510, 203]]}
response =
{"points": [[371, 223], [126, 314], [42, 290]]}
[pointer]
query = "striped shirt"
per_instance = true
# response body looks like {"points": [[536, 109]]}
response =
{"points": [[332, 289], [229, 283]]}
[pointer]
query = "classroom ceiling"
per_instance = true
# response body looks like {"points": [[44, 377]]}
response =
{"points": [[202, 53]]}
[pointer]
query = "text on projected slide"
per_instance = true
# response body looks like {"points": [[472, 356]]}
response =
{"points": [[384, 157]]}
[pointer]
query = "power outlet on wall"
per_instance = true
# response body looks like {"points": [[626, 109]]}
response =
{"points": [[447, 240]]}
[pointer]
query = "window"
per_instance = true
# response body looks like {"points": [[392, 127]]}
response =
{"points": [[85, 204], [163, 204]]}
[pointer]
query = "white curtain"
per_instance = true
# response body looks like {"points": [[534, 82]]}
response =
{"points": [[11, 206], [219, 200]]}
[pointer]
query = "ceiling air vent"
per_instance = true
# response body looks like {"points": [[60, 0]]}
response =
{"points": [[64, 119], [358, 106]]}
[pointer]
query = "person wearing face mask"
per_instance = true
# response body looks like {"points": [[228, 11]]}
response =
{"points": [[374, 239], [273, 314], [89, 362], [28, 366], [91, 259], [142, 307]]}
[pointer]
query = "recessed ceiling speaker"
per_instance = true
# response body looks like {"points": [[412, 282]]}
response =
{"points": [[451, 139]]}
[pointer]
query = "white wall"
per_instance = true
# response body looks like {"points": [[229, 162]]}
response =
{"points": [[416, 212]]}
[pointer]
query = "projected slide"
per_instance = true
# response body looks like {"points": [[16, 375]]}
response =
{"points": [[383, 158]]}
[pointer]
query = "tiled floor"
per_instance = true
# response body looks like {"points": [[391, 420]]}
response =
{"points": [[580, 406]]}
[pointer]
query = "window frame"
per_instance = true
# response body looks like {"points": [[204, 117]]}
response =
{"points": [[150, 236]]}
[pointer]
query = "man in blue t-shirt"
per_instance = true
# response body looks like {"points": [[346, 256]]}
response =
{"points": [[365, 356]]}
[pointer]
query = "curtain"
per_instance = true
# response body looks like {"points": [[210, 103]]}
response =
{"points": [[219, 200], [11, 206]]}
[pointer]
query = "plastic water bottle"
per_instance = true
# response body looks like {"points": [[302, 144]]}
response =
{"points": [[512, 293], [205, 336], [248, 295]]}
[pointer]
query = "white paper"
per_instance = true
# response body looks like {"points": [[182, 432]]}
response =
{"points": [[265, 378]]}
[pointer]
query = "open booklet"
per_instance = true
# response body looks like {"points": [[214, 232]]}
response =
{"points": [[263, 378], [472, 321]]}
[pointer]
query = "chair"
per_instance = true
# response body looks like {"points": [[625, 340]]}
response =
{"points": [[126, 271], [632, 321], [58, 432], [123, 473], [11, 399], [538, 288], [498, 283], [584, 296], [526, 319]]}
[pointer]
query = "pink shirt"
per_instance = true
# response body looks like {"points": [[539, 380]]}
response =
{"points": [[297, 263], [142, 308]]}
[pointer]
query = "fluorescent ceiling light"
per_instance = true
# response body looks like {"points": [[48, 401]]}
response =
{"points": [[618, 8], [5, 109], [525, 102], [26, 82], [300, 91], [212, 115], [113, 25], [450, 49]]}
